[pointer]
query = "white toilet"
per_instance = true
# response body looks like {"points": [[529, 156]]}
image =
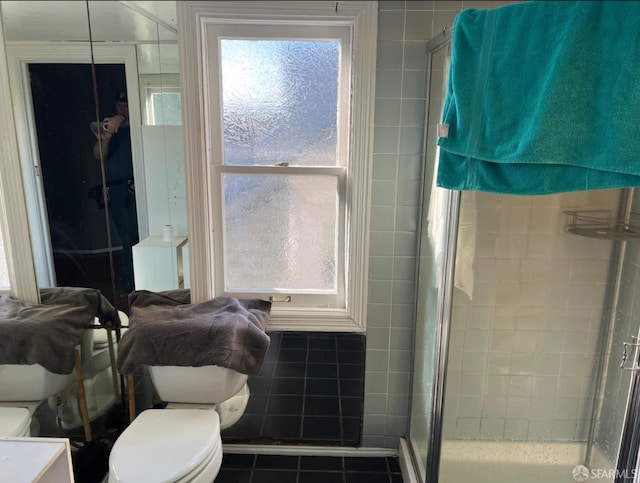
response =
{"points": [[180, 443], [22, 388]]}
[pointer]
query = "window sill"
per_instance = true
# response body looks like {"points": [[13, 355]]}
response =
{"points": [[327, 320]]}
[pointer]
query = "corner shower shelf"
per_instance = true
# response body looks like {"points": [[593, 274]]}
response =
{"points": [[601, 224]]}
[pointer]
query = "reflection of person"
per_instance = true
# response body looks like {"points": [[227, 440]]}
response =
{"points": [[114, 147]]}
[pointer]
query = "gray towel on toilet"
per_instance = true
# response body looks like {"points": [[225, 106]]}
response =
{"points": [[166, 330], [47, 333]]}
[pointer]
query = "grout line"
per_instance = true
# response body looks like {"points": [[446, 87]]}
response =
{"points": [[304, 388], [340, 417]]}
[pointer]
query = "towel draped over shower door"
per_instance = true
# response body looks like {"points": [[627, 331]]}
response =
{"points": [[543, 97]]}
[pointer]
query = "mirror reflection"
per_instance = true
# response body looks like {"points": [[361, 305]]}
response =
{"points": [[95, 87], [107, 213]]}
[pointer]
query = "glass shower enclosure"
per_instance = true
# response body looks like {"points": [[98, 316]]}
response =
{"points": [[525, 307]]}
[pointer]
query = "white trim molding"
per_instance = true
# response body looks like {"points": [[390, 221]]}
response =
{"points": [[409, 474], [361, 17], [13, 208], [286, 450]]}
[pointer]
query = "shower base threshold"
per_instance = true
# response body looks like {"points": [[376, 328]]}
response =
{"points": [[524, 462]]}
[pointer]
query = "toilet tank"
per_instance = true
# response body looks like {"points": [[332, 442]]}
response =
{"points": [[198, 385], [30, 382]]}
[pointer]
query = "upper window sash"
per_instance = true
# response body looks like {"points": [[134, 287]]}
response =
{"points": [[218, 31]]}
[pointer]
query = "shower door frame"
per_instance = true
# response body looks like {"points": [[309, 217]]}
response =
{"points": [[445, 276], [629, 448]]}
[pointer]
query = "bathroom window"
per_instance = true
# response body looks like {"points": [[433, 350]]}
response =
{"points": [[161, 99], [287, 119], [281, 169]]}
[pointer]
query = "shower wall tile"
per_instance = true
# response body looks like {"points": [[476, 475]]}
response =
{"points": [[523, 352], [405, 244], [404, 28], [418, 25], [388, 112], [381, 243], [409, 167], [385, 166], [395, 194], [389, 55], [420, 5], [390, 25], [384, 5]]}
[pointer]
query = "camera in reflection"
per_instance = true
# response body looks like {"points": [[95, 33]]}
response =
{"points": [[98, 127]]}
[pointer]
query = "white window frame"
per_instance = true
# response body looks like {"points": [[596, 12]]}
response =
{"points": [[13, 208], [361, 18], [216, 31], [155, 84]]}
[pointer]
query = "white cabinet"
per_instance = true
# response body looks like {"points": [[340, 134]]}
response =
{"points": [[27, 460], [158, 264]]}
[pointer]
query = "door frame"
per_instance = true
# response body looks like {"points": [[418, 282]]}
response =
{"points": [[19, 56]]}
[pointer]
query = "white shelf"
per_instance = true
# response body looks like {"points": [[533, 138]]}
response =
{"points": [[27, 460], [158, 264]]}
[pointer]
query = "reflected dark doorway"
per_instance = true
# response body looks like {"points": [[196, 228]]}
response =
{"points": [[64, 107]]}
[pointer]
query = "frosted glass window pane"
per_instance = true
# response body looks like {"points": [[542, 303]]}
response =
{"points": [[280, 232], [167, 109], [280, 102]]}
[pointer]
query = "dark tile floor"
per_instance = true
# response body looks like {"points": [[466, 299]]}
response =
{"points": [[309, 391], [248, 468]]}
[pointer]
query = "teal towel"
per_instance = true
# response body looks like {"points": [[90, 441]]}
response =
{"points": [[543, 97]]}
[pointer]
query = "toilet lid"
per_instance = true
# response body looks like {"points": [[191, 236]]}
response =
{"points": [[164, 445], [14, 421]]}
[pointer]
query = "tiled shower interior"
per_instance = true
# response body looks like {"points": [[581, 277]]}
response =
{"points": [[524, 350]]}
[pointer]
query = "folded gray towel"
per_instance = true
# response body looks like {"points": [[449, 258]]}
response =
{"points": [[47, 333], [166, 330]]}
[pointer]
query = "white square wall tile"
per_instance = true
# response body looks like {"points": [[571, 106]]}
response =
{"points": [[566, 408], [544, 386], [494, 407], [518, 407], [374, 424], [469, 406], [378, 338], [474, 363], [471, 385], [492, 428], [520, 385], [376, 383], [382, 218], [377, 360], [380, 268], [502, 341], [383, 193], [569, 387], [498, 385], [381, 243], [498, 364], [516, 429], [467, 428], [564, 430], [476, 340], [542, 407], [379, 291]]}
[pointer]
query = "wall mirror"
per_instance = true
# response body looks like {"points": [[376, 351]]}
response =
{"points": [[70, 64]]}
